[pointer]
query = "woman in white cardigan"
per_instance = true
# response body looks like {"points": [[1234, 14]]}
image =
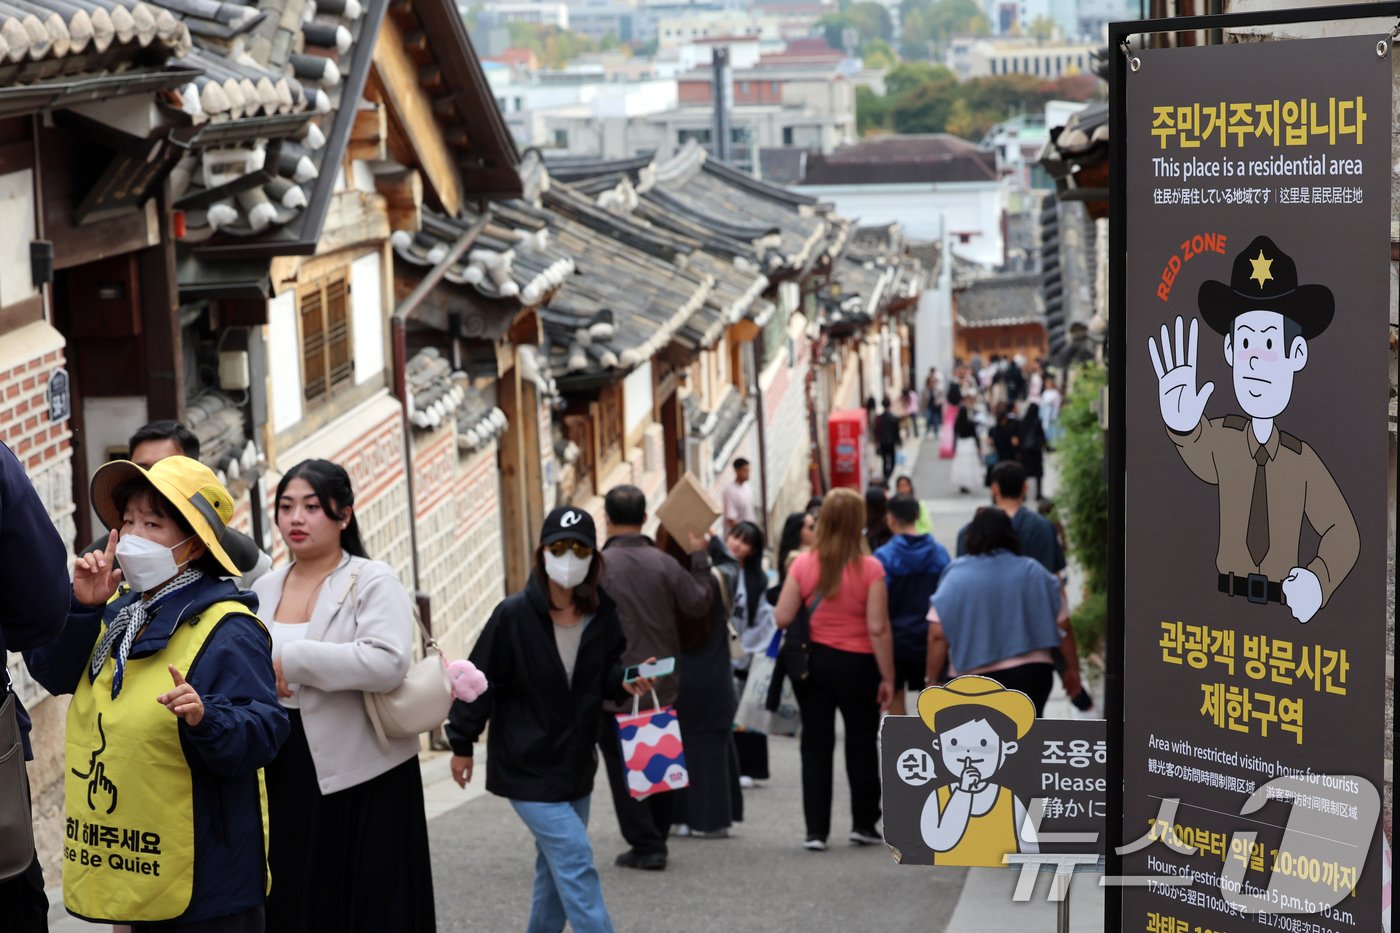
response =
{"points": [[349, 839]]}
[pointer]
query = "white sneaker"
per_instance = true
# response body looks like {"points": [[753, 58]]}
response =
{"points": [[815, 845], [746, 782], [681, 830]]}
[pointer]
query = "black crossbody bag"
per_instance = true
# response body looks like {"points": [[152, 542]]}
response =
{"points": [[797, 642], [16, 828]]}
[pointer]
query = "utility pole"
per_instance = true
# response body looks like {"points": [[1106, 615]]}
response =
{"points": [[723, 97]]}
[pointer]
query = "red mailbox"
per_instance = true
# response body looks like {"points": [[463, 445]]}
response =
{"points": [[846, 439]]}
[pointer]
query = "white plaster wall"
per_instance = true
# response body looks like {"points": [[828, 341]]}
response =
{"points": [[924, 210], [284, 361]]}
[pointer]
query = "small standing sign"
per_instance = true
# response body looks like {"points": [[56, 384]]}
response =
{"points": [[975, 777]]}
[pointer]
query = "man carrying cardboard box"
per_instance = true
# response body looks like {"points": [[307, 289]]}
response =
{"points": [[652, 592]]}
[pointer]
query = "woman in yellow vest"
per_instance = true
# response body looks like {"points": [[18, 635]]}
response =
{"points": [[174, 712]]}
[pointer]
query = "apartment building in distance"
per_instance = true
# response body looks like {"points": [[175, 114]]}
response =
{"points": [[797, 95], [971, 57]]}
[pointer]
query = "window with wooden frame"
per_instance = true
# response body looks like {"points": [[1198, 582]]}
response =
{"points": [[327, 347]]}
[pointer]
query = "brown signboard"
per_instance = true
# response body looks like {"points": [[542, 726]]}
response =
{"points": [[1257, 290]]}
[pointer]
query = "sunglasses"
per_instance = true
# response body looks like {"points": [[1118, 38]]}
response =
{"points": [[560, 548]]}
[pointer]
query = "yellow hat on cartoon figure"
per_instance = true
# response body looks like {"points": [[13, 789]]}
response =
{"points": [[975, 690], [188, 485]]}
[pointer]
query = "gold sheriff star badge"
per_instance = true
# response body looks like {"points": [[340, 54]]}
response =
{"points": [[1263, 269]]}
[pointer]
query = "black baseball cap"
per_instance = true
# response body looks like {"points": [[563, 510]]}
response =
{"points": [[569, 523]]}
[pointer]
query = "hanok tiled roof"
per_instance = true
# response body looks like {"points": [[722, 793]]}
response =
{"points": [[224, 445], [511, 259], [1001, 301], [730, 262], [56, 54], [280, 79], [889, 160], [1076, 157], [783, 166], [785, 228], [82, 35], [610, 290]]}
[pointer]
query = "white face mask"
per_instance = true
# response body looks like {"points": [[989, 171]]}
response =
{"points": [[567, 571], [145, 564]]}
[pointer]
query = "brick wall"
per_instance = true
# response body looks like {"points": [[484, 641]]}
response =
{"points": [[28, 357], [459, 536]]}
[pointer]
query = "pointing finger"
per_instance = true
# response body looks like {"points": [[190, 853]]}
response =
{"points": [[175, 675], [111, 549]]}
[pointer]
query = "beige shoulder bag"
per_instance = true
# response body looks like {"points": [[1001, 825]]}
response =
{"points": [[419, 704]]}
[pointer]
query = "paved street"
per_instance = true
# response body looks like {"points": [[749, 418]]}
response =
{"points": [[760, 879]]}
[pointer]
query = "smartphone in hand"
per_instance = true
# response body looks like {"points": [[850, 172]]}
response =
{"points": [[656, 669]]}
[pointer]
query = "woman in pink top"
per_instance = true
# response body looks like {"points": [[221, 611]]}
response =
{"points": [[851, 665]]}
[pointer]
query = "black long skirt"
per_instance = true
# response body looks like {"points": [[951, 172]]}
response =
{"points": [[713, 801], [355, 860]]}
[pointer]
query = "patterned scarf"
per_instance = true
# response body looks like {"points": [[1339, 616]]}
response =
{"points": [[122, 630]]}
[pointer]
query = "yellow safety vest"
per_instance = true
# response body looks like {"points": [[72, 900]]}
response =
{"points": [[987, 838], [129, 847]]}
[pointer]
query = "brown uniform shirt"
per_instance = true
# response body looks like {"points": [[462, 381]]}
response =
{"points": [[1221, 451]]}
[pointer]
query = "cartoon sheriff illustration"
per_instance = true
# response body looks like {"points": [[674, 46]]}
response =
{"points": [[1269, 480], [971, 820]]}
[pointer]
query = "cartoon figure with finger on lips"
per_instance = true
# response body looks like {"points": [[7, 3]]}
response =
{"points": [[972, 820], [1269, 481]]}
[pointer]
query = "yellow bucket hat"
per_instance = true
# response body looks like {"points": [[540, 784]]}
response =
{"points": [[975, 690], [188, 485]]}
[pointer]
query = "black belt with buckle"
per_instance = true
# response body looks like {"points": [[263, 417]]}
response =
{"points": [[1255, 587]]}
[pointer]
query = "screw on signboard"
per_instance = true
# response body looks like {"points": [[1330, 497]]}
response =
{"points": [[1383, 46], [1134, 63]]}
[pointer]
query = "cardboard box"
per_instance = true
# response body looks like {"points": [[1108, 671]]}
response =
{"points": [[687, 509]]}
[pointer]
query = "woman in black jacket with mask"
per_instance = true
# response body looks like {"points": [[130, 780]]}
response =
{"points": [[551, 652]]}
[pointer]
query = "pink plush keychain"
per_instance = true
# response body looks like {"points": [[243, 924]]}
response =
{"points": [[468, 682]]}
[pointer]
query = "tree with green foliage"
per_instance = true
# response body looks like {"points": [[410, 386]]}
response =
{"points": [[1083, 498], [925, 108], [1042, 29], [906, 76], [866, 22], [877, 53], [929, 24], [872, 111]]}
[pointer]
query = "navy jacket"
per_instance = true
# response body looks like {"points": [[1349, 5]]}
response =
{"points": [[33, 570], [242, 728], [544, 729], [913, 564]]}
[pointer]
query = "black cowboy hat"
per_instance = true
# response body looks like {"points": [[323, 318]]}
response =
{"points": [[1264, 278]]}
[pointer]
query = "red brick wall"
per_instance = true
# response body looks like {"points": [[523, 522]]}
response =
{"points": [[745, 92], [24, 412]]}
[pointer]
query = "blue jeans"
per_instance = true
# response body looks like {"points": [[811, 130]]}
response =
{"points": [[567, 886]]}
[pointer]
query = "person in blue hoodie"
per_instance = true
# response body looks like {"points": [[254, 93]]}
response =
{"points": [[174, 712], [34, 577], [913, 563]]}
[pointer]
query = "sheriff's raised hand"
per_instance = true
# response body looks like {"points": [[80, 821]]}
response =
{"points": [[96, 574], [1181, 402]]}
